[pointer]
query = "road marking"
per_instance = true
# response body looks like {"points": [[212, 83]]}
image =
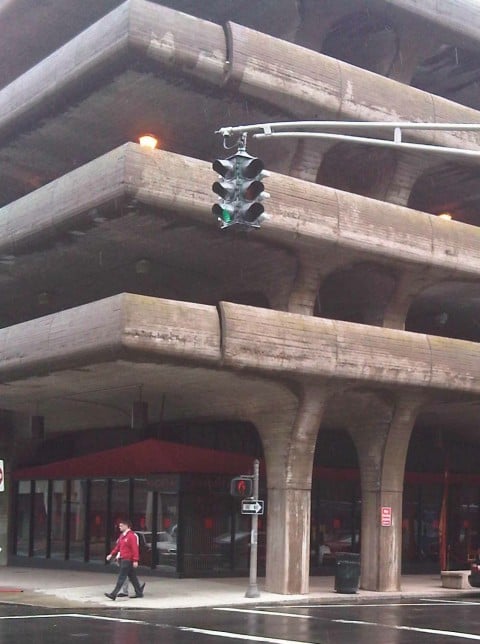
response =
{"points": [[265, 612], [420, 602], [240, 636], [456, 602], [262, 611], [431, 631], [99, 617]]}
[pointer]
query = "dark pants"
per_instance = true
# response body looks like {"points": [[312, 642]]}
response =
{"points": [[127, 570]]}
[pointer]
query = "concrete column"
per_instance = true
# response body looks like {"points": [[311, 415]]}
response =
{"points": [[307, 159], [305, 288], [381, 435], [310, 275], [413, 47], [409, 285], [289, 447], [409, 168]]}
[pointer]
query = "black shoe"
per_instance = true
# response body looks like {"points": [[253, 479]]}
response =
{"points": [[142, 586], [122, 595], [136, 596], [110, 596]]}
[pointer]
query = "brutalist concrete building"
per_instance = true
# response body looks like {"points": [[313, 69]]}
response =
{"points": [[146, 356]]}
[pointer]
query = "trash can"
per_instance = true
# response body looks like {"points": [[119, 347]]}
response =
{"points": [[347, 572]]}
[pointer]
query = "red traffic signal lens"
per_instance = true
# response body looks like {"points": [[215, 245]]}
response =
{"points": [[241, 487]]}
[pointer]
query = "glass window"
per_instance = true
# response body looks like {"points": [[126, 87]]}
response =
{"points": [[336, 510], [209, 515], [40, 518], [78, 503], [59, 508], [156, 510], [97, 520], [463, 523], [23, 518], [120, 505]]}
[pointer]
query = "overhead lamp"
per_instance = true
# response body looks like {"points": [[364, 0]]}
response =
{"points": [[148, 141], [445, 215]]}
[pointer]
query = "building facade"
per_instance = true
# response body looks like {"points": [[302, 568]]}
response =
{"points": [[344, 333]]}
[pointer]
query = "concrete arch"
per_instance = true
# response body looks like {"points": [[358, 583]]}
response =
{"points": [[361, 169], [448, 188], [365, 39], [452, 72], [449, 309], [380, 424], [356, 293]]}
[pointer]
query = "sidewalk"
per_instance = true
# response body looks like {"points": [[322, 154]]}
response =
{"points": [[80, 590]]}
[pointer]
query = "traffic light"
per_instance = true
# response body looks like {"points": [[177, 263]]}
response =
{"points": [[240, 190], [225, 188], [241, 486]]}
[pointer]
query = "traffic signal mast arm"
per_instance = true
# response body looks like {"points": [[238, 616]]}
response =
{"points": [[297, 129]]}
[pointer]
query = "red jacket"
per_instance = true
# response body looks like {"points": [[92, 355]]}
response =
{"points": [[127, 546]]}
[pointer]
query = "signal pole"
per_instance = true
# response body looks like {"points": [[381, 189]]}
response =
{"points": [[252, 590]]}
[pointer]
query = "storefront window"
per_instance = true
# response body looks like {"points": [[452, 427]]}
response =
{"points": [[156, 520], [40, 518], [208, 540], [78, 502], [120, 506], [59, 508], [463, 522], [335, 520], [97, 520], [24, 500]]}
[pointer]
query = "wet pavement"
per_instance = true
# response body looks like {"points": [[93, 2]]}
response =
{"points": [[405, 621]]}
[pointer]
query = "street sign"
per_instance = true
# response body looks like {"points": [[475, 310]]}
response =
{"points": [[2, 477], [386, 516], [252, 506]]}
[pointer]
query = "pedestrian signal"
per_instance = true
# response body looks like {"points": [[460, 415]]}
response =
{"points": [[241, 486]]}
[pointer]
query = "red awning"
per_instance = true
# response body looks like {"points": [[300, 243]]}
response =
{"points": [[147, 457]]}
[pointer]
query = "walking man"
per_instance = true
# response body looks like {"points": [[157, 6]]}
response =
{"points": [[127, 547]]}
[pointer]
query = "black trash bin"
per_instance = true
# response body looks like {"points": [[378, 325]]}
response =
{"points": [[347, 572]]}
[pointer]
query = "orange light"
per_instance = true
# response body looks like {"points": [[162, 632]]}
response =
{"points": [[148, 141], [445, 215]]}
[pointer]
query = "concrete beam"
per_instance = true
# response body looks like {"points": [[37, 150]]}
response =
{"points": [[108, 330], [295, 346], [307, 83], [267, 343]]}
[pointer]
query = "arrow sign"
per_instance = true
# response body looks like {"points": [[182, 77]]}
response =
{"points": [[252, 506]]}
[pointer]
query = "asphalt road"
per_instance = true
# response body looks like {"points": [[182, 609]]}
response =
{"points": [[429, 621]]}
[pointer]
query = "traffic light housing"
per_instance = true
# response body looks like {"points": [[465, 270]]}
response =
{"points": [[241, 486], [240, 190]]}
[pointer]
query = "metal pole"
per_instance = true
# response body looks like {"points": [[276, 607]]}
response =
{"points": [[267, 128], [384, 143], [252, 590], [284, 129]]}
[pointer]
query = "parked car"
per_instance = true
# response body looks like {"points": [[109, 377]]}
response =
{"points": [[166, 547], [223, 544]]}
